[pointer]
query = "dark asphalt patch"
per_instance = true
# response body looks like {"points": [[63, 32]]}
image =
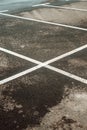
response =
{"points": [[11, 65], [75, 64], [39, 41], [26, 100]]}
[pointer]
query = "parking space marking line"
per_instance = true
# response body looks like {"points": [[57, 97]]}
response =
{"points": [[40, 66], [40, 4], [19, 55], [82, 80], [42, 21], [20, 74], [47, 62], [65, 8], [2, 11], [43, 64], [72, 76], [66, 54]]}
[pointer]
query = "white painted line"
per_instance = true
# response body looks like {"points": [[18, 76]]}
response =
{"points": [[20, 74], [66, 8], [19, 55], [45, 64], [2, 11], [42, 21], [82, 80], [66, 54], [40, 4]]}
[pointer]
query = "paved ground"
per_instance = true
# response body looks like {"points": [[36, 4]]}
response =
{"points": [[43, 68]]}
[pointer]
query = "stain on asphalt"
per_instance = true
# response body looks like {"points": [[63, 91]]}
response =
{"points": [[25, 101]]}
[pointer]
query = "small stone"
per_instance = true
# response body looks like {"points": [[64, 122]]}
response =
{"points": [[15, 122], [20, 111], [18, 106], [36, 113]]}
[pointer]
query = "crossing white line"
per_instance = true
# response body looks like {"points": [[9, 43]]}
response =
{"points": [[45, 64], [66, 8], [82, 80], [42, 21]]}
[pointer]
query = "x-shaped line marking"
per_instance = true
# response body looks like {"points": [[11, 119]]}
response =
{"points": [[43, 64]]}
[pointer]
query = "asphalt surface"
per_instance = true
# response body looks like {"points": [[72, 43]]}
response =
{"points": [[43, 99]]}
